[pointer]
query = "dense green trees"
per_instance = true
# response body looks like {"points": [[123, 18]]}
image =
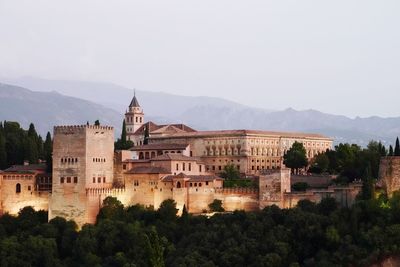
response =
{"points": [[216, 206], [18, 145], [230, 172], [310, 235], [397, 148], [122, 143], [296, 157], [350, 162]]}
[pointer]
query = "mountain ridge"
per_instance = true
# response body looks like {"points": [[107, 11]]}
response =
{"points": [[205, 113]]}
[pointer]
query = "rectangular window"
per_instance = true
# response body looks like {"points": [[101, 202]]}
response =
{"points": [[200, 168], [190, 166], [220, 168], [206, 183], [124, 167], [94, 180], [177, 167], [104, 179], [183, 166], [68, 180], [62, 180], [99, 179], [75, 180]]}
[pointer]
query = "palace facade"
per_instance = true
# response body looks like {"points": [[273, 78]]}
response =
{"points": [[167, 162]]}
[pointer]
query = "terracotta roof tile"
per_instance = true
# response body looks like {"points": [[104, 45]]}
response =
{"points": [[244, 132], [148, 170], [26, 168], [192, 178], [160, 147]]}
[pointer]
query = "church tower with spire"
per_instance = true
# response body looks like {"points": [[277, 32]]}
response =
{"points": [[134, 118]]}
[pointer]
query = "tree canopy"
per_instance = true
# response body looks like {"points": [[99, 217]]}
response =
{"points": [[311, 234], [296, 157], [18, 145]]}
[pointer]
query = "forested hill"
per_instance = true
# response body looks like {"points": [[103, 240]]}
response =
{"points": [[46, 109], [310, 235]]}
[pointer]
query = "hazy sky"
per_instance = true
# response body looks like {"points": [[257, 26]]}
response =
{"points": [[341, 57]]}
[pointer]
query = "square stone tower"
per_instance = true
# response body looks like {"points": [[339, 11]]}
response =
{"points": [[82, 160]]}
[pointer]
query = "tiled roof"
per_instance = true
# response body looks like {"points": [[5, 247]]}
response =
{"points": [[164, 128], [148, 170], [245, 132], [160, 147], [26, 168], [134, 102], [192, 178], [171, 156]]}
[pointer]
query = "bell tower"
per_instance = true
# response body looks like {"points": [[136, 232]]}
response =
{"points": [[134, 117]]}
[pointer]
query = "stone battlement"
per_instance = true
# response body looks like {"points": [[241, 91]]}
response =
{"points": [[238, 190], [105, 191], [63, 128], [389, 174]]}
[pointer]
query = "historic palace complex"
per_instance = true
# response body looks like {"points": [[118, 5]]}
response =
{"points": [[170, 161]]}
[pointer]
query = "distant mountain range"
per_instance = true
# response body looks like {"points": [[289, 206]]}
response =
{"points": [[65, 102], [46, 109]]}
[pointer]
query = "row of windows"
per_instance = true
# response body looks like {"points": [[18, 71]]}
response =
{"points": [[196, 184], [213, 167], [273, 161], [19, 190], [99, 179], [189, 167], [68, 180], [17, 177], [99, 160], [136, 119], [264, 167], [69, 160]]}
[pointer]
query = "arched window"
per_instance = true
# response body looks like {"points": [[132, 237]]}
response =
{"points": [[178, 184], [18, 188]]}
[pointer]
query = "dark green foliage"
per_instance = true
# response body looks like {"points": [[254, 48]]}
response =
{"points": [[97, 123], [397, 148], [146, 135], [300, 186], [48, 152], [18, 145], [216, 206], [243, 183], [368, 187], [391, 152], [309, 235], [349, 162], [296, 157], [122, 143], [320, 164], [230, 172]]}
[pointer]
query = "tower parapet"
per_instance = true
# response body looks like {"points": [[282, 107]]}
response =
{"points": [[83, 157]]}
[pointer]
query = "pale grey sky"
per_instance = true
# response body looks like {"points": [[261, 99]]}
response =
{"points": [[341, 56]]}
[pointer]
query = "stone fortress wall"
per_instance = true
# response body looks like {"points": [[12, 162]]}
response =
{"points": [[389, 174], [83, 158]]}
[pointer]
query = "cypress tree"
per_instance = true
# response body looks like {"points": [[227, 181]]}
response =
{"points": [[48, 151], [146, 136], [397, 148], [367, 190], [32, 154], [123, 134], [391, 151], [32, 131], [3, 152]]}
